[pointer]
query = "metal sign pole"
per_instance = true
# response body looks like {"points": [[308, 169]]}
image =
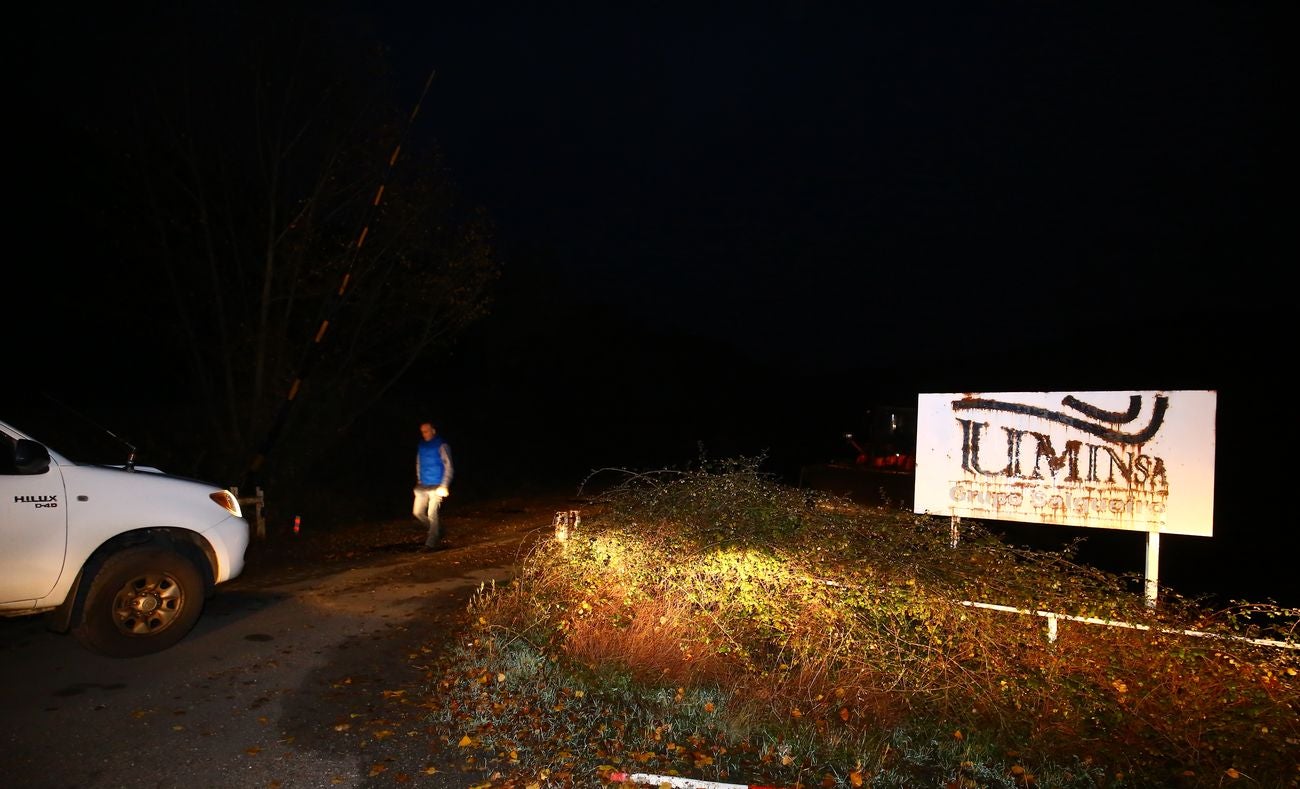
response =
{"points": [[1153, 567]]}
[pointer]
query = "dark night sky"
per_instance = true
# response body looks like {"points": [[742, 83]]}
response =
{"points": [[950, 196], [909, 196], [938, 180], [829, 187]]}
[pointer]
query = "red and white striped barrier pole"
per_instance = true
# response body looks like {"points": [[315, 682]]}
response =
{"points": [[678, 782]]}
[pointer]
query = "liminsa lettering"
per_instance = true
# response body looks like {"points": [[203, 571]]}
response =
{"points": [[1078, 463]]}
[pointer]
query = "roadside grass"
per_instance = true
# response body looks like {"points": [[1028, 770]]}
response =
{"points": [[713, 624]]}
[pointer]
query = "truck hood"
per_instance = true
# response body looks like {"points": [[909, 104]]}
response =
{"points": [[175, 502]]}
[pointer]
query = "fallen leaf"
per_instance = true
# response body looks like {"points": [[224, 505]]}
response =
{"points": [[376, 769], [253, 751], [383, 734], [465, 741]]}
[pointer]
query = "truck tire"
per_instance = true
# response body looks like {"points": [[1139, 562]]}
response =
{"points": [[140, 601]]}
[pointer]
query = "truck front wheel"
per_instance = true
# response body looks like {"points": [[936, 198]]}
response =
{"points": [[142, 600]]}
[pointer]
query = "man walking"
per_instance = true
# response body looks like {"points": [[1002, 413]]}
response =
{"points": [[432, 477]]}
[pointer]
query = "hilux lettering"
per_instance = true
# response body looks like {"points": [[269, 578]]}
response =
{"points": [[37, 499]]}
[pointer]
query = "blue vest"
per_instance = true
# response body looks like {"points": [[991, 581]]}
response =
{"points": [[429, 453]]}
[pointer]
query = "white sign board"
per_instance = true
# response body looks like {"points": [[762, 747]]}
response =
{"points": [[1138, 461]]}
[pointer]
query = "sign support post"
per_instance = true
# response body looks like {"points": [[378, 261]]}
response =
{"points": [[1153, 567]]}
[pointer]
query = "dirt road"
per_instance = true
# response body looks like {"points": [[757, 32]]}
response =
{"points": [[307, 671]]}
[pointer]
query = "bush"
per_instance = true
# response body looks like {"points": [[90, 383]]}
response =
{"points": [[713, 623]]}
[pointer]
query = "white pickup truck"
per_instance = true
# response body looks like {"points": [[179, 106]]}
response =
{"points": [[124, 557]]}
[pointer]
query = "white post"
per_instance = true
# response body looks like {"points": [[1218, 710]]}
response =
{"points": [[1153, 566]]}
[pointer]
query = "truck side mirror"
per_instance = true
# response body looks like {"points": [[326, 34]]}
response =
{"points": [[31, 457]]}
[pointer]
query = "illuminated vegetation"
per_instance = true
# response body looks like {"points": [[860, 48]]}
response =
{"points": [[713, 624]]}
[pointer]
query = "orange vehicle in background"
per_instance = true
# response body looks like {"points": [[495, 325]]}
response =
{"points": [[881, 467]]}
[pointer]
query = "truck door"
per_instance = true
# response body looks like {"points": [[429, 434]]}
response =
{"points": [[33, 532]]}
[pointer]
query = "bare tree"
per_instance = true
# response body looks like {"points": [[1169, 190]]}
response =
{"points": [[313, 248]]}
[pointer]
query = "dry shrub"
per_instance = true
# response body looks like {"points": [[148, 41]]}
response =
{"points": [[826, 620], [656, 643]]}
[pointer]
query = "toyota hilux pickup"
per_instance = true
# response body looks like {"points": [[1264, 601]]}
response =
{"points": [[122, 557]]}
